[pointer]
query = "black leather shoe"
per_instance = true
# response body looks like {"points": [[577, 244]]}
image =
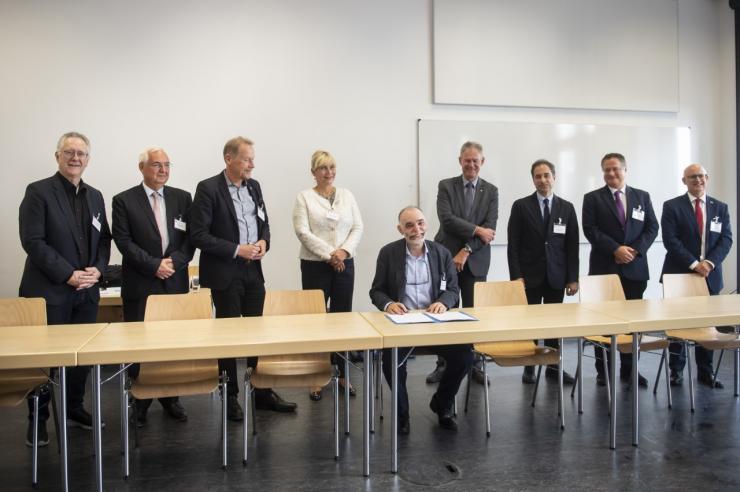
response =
{"points": [[404, 427], [528, 376], [552, 374], [445, 416], [626, 377], [234, 410], [706, 379], [43, 435], [78, 417], [436, 375], [138, 417], [676, 378], [600, 380], [352, 390], [269, 400], [478, 376], [175, 410]]}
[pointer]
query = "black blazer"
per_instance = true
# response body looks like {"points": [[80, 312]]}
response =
{"points": [[389, 283], [137, 237], [602, 229], [537, 256], [682, 241], [215, 230], [47, 232], [454, 229]]}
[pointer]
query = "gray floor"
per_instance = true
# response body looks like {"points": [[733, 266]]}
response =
{"points": [[526, 450]]}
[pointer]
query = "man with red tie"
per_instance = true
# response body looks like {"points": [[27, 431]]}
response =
{"points": [[697, 238]]}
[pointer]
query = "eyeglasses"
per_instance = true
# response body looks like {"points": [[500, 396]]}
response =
{"points": [[71, 153], [697, 177], [160, 165]]}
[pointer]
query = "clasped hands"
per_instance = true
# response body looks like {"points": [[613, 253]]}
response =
{"points": [[83, 279], [254, 251], [400, 308], [337, 259], [704, 268], [625, 254]]}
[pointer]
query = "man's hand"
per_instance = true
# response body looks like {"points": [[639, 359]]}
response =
{"points": [[82, 279], [166, 269], [459, 260], [436, 308], [396, 308], [704, 268], [253, 251], [485, 234], [571, 288], [624, 255]]}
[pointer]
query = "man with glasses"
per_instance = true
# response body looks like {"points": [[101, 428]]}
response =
{"points": [[697, 238], [620, 224], [64, 231], [150, 224]]}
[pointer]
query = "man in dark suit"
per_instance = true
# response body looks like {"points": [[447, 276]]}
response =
{"points": [[150, 229], [543, 249], [620, 224], [467, 207], [64, 231], [412, 273], [697, 238], [229, 224]]}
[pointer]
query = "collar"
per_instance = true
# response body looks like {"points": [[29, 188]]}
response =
{"points": [[424, 249], [149, 191], [230, 184], [465, 181], [691, 197], [68, 186], [623, 189], [541, 198]]}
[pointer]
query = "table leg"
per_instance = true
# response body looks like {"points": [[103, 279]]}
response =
{"points": [[97, 428], [561, 405], [346, 394], [124, 419], [580, 376], [366, 402], [63, 425], [613, 390], [635, 389], [394, 410]]}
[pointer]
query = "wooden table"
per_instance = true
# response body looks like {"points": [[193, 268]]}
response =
{"points": [[501, 323], [229, 337], [644, 315], [29, 347]]}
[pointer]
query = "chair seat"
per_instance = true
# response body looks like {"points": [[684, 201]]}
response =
{"points": [[179, 372], [708, 338], [146, 391], [624, 342], [294, 365], [518, 353], [16, 384], [259, 380]]}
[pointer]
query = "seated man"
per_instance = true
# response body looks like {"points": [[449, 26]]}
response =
{"points": [[412, 273]]}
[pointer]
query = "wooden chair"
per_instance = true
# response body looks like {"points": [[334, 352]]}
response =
{"points": [[17, 384], [598, 288], [691, 285], [180, 378], [514, 353], [292, 371]]}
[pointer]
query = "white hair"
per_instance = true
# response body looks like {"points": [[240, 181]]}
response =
{"points": [[144, 156]]}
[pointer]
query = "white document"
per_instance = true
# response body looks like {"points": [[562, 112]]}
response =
{"points": [[408, 318], [451, 316]]}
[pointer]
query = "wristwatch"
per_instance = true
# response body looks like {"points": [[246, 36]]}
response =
{"points": [[468, 249]]}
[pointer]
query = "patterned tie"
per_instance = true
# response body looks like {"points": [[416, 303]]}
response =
{"points": [[157, 208], [546, 214], [699, 216], [620, 208], [469, 197]]}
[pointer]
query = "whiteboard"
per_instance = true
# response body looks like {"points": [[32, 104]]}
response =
{"points": [[656, 157], [595, 54]]}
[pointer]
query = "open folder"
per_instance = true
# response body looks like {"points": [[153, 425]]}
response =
{"points": [[422, 317]]}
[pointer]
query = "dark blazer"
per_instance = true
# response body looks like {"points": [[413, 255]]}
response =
{"points": [[137, 237], [47, 231], [389, 283], [455, 231], [215, 230], [602, 229], [538, 256], [682, 242]]}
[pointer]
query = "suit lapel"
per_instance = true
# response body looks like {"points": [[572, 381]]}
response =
{"points": [[534, 214], [459, 192], [711, 208], [64, 205], [170, 202], [611, 204], [434, 272], [223, 190], [400, 270], [143, 202]]}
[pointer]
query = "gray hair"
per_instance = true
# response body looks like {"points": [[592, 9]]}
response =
{"points": [[68, 135], [471, 145], [144, 155], [408, 207]]}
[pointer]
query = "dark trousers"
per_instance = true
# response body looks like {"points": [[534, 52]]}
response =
{"points": [[633, 289], [134, 310], [245, 296], [466, 281], [78, 309], [459, 360], [545, 294], [337, 286], [704, 357]]}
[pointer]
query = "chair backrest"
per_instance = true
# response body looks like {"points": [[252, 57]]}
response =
{"points": [[178, 307], [294, 302], [596, 288], [684, 285], [505, 293], [22, 311]]}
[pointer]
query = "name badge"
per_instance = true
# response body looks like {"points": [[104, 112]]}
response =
{"points": [[261, 213], [180, 225], [332, 215], [715, 225], [558, 228], [638, 213], [96, 221], [443, 284]]}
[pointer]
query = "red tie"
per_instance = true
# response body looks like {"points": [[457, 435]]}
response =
{"points": [[699, 217]]}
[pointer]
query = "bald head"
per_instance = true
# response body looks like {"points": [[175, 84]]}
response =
{"points": [[695, 178]]}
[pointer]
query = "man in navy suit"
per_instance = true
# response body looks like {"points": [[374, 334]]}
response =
{"points": [[543, 249], [467, 207], [620, 224], [64, 231], [413, 273], [697, 238], [150, 229], [230, 226]]}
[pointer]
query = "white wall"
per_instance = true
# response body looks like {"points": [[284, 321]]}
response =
{"points": [[350, 77]]}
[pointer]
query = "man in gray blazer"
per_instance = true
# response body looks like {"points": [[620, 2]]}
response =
{"points": [[467, 207]]}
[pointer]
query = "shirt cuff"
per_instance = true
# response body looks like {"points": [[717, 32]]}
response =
{"points": [[386, 305], [693, 265], [236, 252], [709, 263]]}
